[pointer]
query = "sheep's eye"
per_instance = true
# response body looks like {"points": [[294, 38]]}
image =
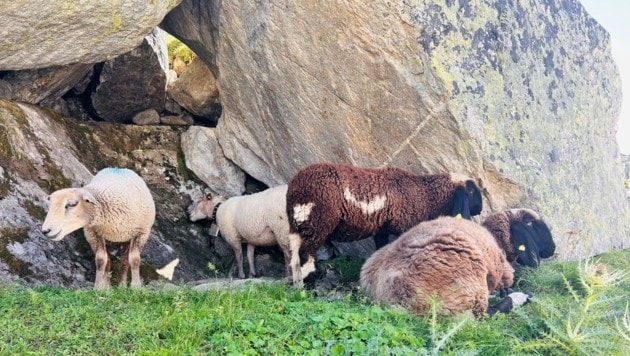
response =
{"points": [[71, 204], [209, 196]]}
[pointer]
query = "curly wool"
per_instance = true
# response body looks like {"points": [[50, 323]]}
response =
{"points": [[124, 207], [258, 219], [348, 203], [454, 259], [115, 206]]}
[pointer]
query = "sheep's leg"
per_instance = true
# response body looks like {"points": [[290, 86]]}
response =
{"points": [[509, 302], [238, 252], [294, 246], [287, 261], [101, 258], [135, 246], [124, 265], [107, 275], [381, 239], [250, 260]]}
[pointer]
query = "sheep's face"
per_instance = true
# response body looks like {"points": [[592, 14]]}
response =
{"points": [[474, 197], [467, 200], [202, 209], [69, 210], [530, 237]]}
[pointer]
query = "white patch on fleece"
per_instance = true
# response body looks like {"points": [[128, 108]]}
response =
{"points": [[301, 212], [367, 207], [308, 267]]}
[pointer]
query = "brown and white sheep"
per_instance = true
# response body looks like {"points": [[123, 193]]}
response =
{"points": [[456, 260], [347, 203], [116, 206], [259, 219]]}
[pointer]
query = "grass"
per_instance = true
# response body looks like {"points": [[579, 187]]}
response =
{"points": [[579, 308]]}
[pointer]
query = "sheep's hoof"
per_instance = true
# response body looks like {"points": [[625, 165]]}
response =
{"points": [[136, 285], [101, 286]]}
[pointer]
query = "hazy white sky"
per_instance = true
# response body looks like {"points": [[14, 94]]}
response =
{"points": [[614, 16]]}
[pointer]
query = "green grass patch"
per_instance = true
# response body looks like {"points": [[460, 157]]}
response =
{"points": [[579, 308]]}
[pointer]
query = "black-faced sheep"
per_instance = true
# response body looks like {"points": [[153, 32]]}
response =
{"points": [[117, 207], [456, 260], [346, 203], [258, 219], [522, 234]]}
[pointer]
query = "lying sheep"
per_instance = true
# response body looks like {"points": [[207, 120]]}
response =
{"points": [[117, 207], [258, 219], [347, 203], [456, 260], [515, 230]]}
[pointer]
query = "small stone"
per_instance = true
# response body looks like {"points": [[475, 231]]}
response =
{"points": [[146, 117]]}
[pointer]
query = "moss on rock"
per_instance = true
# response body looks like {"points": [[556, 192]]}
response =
{"points": [[14, 264]]}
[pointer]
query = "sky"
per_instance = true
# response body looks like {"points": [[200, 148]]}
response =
{"points": [[614, 15]]}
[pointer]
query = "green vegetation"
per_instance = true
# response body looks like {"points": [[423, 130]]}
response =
{"points": [[12, 263], [176, 49], [349, 267], [579, 308]]}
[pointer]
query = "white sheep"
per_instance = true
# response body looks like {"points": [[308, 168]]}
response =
{"points": [[457, 260], [116, 206], [258, 219]]}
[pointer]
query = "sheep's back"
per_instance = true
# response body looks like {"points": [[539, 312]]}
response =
{"points": [[248, 215], [126, 203], [446, 257]]}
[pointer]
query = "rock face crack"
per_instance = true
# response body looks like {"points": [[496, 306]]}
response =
{"points": [[433, 114]]}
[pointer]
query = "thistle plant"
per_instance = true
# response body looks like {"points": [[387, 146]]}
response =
{"points": [[580, 327]]}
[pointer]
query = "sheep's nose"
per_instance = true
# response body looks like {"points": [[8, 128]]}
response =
{"points": [[45, 231]]}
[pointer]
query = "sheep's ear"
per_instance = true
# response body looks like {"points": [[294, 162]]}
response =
{"points": [[524, 245], [543, 238], [88, 197], [460, 203]]}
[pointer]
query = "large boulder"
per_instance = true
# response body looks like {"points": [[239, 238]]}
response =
{"points": [[39, 34], [205, 158], [46, 84], [131, 83], [196, 90], [523, 95]]}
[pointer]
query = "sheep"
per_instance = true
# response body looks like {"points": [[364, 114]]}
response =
{"points": [[459, 261], [258, 219], [116, 206], [347, 203]]}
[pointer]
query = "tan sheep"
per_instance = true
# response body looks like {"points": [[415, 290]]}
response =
{"points": [[258, 219], [456, 260], [115, 207]]}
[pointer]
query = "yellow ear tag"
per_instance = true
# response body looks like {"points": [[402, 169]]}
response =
{"points": [[521, 247], [458, 216]]}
